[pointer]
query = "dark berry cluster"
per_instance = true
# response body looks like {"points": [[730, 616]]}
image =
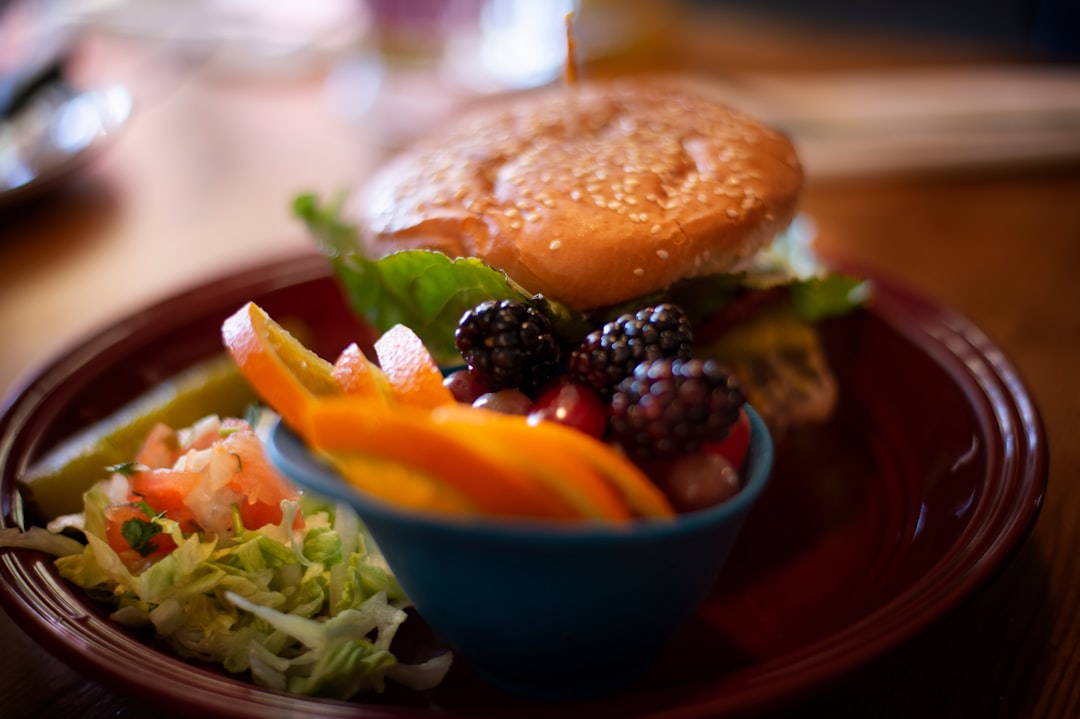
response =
{"points": [[633, 382], [672, 407], [508, 344], [610, 354]]}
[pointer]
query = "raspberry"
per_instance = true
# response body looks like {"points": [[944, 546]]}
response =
{"points": [[610, 354], [671, 407], [508, 344]]}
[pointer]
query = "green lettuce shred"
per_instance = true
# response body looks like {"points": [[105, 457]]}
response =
{"points": [[309, 611]]}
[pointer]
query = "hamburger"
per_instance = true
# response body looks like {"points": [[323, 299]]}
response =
{"points": [[591, 200]]}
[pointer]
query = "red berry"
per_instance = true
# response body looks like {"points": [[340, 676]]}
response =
{"points": [[733, 447], [465, 385], [572, 404], [507, 401], [698, 481]]}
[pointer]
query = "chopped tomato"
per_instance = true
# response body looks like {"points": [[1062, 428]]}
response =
{"points": [[204, 433], [216, 464], [160, 448], [150, 546], [254, 478], [167, 490]]}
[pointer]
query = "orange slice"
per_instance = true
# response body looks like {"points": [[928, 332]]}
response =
{"points": [[281, 370], [357, 375], [398, 484], [565, 471], [638, 491], [490, 477], [410, 369]]}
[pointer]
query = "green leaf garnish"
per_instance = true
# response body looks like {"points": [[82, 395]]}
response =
{"points": [[127, 469], [827, 296], [138, 533], [425, 290]]}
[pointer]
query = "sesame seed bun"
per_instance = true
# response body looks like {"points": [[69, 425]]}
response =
{"points": [[592, 194]]}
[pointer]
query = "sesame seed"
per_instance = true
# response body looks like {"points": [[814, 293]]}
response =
{"points": [[662, 254], [639, 272], [655, 229], [533, 217], [515, 225], [732, 213], [555, 244]]}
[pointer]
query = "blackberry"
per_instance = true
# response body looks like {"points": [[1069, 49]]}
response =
{"points": [[671, 407], [611, 353], [508, 344]]}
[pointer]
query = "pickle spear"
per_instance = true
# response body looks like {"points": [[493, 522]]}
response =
{"points": [[54, 485]]}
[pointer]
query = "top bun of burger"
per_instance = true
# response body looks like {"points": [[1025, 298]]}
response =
{"points": [[591, 194]]}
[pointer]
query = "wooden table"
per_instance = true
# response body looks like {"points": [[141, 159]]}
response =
{"points": [[199, 184]]}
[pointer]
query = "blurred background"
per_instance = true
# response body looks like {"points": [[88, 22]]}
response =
{"points": [[1048, 29], [171, 135]]}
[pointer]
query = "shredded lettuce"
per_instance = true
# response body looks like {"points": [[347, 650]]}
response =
{"points": [[40, 539], [309, 611]]}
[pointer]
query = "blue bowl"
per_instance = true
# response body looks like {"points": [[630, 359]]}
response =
{"points": [[546, 610]]}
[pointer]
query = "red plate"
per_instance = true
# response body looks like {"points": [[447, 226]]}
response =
{"points": [[930, 475]]}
